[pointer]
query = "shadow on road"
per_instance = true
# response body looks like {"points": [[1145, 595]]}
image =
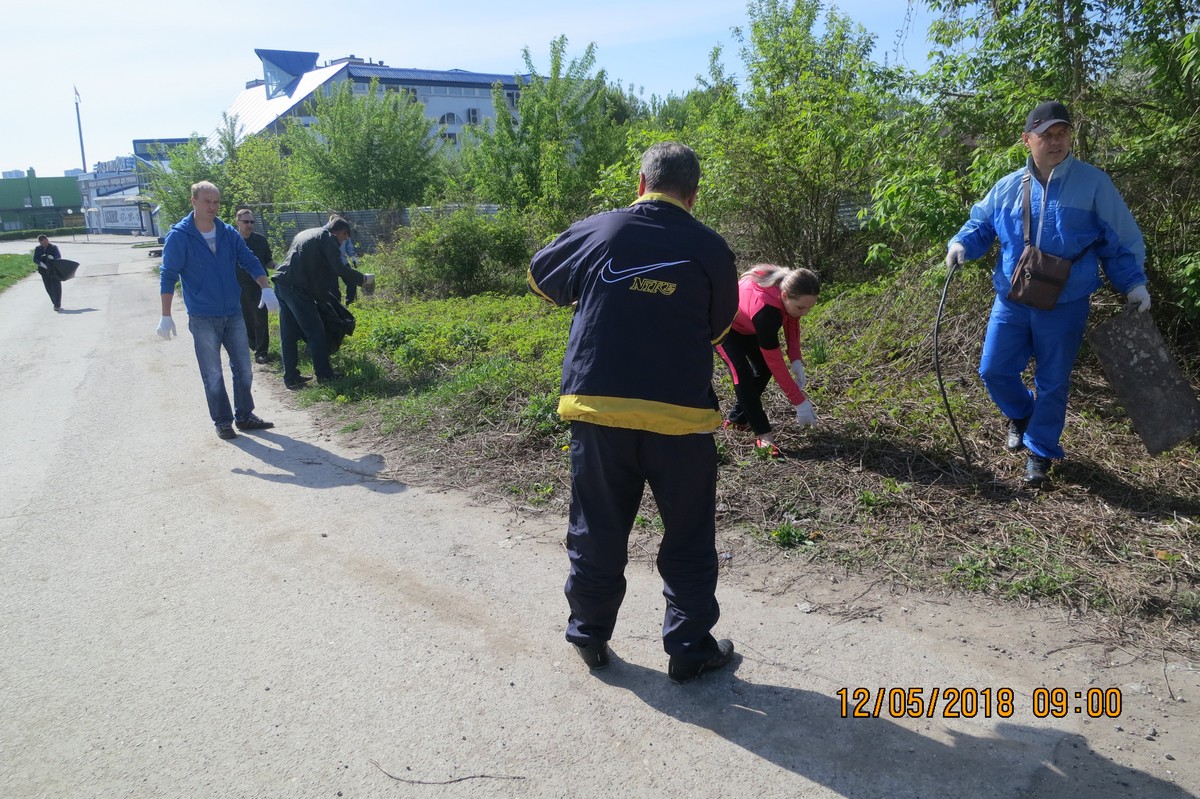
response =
{"points": [[303, 464], [68, 311], [804, 732]]}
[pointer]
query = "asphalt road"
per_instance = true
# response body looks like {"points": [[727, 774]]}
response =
{"points": [[273, 617]]}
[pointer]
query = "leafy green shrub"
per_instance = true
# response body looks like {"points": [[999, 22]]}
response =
{"points": [[462, 252]]}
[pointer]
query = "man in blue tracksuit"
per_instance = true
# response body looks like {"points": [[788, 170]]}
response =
{"points": [[653, 290], [204, 254], [1075, 213]]}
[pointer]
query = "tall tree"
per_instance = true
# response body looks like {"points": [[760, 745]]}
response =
{"points": [[171, 186], [547, 155], [1122, 67], [376, 150], [798, 162]]}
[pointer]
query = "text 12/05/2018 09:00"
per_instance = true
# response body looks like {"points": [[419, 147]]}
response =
{"points": [[863, 703]]}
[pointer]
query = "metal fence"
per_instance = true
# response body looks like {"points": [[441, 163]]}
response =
{"points": [[370, 227]]}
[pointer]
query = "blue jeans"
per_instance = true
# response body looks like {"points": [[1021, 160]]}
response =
{"points": [[1017, 333], [209, 334], [299, 318]]}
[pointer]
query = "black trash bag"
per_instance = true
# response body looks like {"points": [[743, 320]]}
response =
{"points": [[338, 321]]}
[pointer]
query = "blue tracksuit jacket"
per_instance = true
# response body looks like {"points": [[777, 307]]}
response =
{"points": [[1078, 216]]}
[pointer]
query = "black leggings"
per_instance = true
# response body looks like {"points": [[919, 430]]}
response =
{"points": [[750, 377]]}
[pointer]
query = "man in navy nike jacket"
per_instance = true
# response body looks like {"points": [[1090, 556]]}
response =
{"points": [[653, 290]]}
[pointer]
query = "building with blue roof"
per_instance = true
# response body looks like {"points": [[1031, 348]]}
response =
{"points": [[453, 98]]}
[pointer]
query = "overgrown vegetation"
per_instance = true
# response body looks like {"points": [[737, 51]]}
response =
{"points": [[819, 156], [14, 268]]}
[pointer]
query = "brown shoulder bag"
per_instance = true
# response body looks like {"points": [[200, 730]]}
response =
{"points": [[1039, 277]]}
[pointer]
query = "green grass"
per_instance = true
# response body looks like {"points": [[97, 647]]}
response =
{"points": [[14, 268]]}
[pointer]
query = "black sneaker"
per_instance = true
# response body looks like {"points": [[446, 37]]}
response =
{"points": [[1037, 471], [683, 671], [595, 654], [225, 431], [262, 358], [1016, 434], [252, 422], [298, 383]]}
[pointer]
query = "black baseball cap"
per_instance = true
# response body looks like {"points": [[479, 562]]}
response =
{"points": [[1045, 116]]}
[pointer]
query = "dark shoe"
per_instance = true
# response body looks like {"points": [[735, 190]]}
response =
{"points": [[262, 358], [252, 422], [324, 381], [595, 654], [225, 431], [1037, 471], [299, 382], [683, 671], [1016, 434]]}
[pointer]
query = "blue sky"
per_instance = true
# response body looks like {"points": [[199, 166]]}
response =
{"points": [[168, 69]]}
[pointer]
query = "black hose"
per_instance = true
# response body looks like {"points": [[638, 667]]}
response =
{"points": [[937, 364]]}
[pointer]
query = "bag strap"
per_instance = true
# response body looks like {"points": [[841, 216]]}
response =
{"points": [[1025, 193]]}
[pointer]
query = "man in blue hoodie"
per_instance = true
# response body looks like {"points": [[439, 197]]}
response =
{"points": [[1075, 213], [204, 254]]}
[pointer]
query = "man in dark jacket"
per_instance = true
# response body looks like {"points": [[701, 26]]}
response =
{"points": [[204, 254], [307, 278], [653, 290], [255, 315], [43, 255]]}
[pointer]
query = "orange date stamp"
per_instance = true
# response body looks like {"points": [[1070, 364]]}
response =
{"points": [[969, 703]]}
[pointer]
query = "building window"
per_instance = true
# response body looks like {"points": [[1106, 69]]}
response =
{"points": [[450, 118], [360, 88], [450, 138], [47, 201]]}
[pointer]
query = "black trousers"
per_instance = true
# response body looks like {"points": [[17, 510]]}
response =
{"points": [[750, 377], [610, 467], [257, 325], [53, 286]]}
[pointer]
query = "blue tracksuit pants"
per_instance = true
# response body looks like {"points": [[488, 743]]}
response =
{"points": [[1016, 333], [610, 467]]}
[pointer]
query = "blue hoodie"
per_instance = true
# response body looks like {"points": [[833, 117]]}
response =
{"points": [[1079, 216], [210, 285]]}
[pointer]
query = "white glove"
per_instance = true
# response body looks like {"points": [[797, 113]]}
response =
{"points": [[798, 373], [1139, 295], [166, 327], [956, 255], [806, 414], [269, 300]]}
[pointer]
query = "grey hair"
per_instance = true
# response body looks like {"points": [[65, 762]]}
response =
{"points": [[671, 167]]}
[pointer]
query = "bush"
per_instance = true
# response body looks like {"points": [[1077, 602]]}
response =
{"points": [[460, 253]]}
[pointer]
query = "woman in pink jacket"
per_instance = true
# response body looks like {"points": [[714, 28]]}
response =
{"points": [[769, 298]]}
